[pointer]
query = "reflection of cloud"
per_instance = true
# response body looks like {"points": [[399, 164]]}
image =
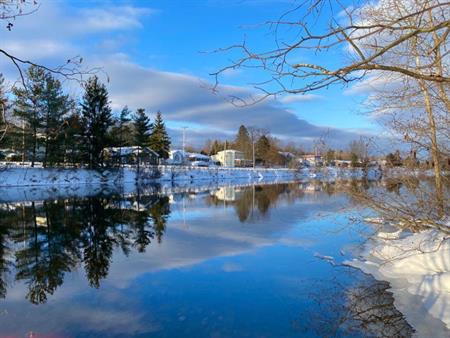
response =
{"points": [[232, 267], [185, 244], [88, 311], [197, 239]]}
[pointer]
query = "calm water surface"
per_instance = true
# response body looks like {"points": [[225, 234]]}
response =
{"points": [[233, 262]]}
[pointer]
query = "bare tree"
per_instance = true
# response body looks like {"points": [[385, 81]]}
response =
{"points": [[71, 69], [401, 44]]}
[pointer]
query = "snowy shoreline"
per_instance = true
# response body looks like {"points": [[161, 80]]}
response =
{"points": [[26, 176], [27, 184], [417, 266]]}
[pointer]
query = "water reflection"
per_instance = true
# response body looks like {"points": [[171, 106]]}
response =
{"points": [[51, 238], [366, 305], [192, 263], [42, 241]]}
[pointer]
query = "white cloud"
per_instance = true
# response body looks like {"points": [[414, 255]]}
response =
{"points": [[288, 99], [182, 98]]}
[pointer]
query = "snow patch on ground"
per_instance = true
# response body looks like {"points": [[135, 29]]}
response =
{"points": [[413, 263]]}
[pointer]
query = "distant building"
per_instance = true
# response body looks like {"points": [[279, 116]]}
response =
{"points": [[129, 155], [199, 160], [231, 158], [177, 157], [180, 157], [342, 163], [311, 160]]}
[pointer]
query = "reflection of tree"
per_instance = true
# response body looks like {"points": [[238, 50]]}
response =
{"points": [[159, 213], [143, 233], [44, 261], [61, 235], [372, 309], [366, 308], [244, 204], [6, 220], [97, 242], [255, 201]]}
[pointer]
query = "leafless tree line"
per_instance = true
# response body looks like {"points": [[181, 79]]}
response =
{"points": [[397, 48]]}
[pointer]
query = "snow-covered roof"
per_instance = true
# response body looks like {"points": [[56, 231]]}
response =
{"points": [[230, 150], [124, 151], [198, 156]]}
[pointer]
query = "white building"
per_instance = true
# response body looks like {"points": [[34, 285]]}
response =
{"points": [[311, 160], [230, 158]]}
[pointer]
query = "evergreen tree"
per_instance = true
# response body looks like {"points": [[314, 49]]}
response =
{"points": [[29, 107], [142, 128], [56, 106], [159, 139], [262, 148], [73, 139], [96, 119], [122, 133], [243, 142]]}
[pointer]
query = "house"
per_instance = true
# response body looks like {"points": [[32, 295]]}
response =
{"points": [[231, 158], [311, 160], [129, 155], [199, 160], [343, 163], [177, 157]]}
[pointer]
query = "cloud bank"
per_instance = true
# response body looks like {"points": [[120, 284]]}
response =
{"points": [[58, 32]]}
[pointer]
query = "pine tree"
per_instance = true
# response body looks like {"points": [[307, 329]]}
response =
{"points": [[262, 148], [122, 134], [56, 105], [96, 119], [29, 107], [142, 127], [159, 139], [243, 142]]}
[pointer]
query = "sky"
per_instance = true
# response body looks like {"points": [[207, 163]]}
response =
{"points": [[159, 55]]}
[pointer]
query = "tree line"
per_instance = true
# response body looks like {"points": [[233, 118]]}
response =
{"points": [[46, 124]]}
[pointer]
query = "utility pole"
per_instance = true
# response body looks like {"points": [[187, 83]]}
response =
{"points": [[184, 138]]}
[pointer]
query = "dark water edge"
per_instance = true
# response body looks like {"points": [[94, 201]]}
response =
{"points": [[228, 262]]}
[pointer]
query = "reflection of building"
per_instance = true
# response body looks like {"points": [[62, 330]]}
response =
{"points": [[227, 194], [231, 158]]}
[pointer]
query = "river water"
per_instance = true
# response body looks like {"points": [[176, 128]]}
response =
{"points": [[251, 261]]}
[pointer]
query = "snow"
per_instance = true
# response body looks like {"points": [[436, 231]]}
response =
{"points": [[27, 176], [417, 265]]}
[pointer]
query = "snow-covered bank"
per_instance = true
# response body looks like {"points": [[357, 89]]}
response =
{"points": [[181, 173], [16, 176], [417, 265]]}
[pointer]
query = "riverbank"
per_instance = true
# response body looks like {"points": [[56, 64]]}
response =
{"points": [[25, 176], [417, 266]]}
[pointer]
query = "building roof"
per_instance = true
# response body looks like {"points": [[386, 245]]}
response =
{"points": [[230, 150], [125, 151]]}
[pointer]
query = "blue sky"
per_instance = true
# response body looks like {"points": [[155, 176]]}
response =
{"points": [[158, 55]]}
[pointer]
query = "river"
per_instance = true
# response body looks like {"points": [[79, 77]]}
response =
{"points": [[243, 261]]}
